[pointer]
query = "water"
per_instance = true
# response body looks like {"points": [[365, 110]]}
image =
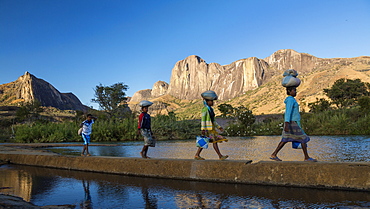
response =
{"points": [[259, 148], [44, 186]]}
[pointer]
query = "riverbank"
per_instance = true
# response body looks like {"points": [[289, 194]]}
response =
{"points": [[9, 201], [346, 176]]}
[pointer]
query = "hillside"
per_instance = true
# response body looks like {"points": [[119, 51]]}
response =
{"points": [[257, 82]]}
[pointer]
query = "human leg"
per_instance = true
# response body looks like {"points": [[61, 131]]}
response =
{"points": [[305, 152], [87, 150], [278, 148], [84, 138], [197, 155], [83, 150], [144, 151], [215, 147]]}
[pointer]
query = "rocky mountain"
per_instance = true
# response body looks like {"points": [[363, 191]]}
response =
{"points": [[28, 88], [160, 88], [255, 82]]}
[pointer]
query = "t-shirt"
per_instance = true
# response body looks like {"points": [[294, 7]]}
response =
{"points": [[87, 127], [292, 110], [144, 121]]}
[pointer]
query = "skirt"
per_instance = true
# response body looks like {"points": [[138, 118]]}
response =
{"points": [[295, 134]]}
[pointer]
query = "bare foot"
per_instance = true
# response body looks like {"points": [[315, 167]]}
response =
{"points": [[142, 155]]}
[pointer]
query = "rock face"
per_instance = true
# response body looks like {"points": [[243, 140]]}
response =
{"points": [[141, 95], [28, 88], [289, 59], [192, 76], [159, 88]]}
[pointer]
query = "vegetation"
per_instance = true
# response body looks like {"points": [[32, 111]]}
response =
{"points": [[345, 92], [346, 112], [110, 97], [106, 129]]}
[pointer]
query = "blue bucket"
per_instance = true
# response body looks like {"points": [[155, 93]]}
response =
{"points": [[296, 145]]}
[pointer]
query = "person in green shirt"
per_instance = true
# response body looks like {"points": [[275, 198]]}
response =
{"points": [[209, 125]]}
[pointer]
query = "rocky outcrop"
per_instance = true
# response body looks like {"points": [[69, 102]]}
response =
{"points": [[289, 59], [27, 88], [159, 88], [10, 201], [192, 76], [141, 95]]}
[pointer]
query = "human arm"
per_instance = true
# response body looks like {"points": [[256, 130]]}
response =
{"points": [[218, 126], [140, 122], [289, 103]]}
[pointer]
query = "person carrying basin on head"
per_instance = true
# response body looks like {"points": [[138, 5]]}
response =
{"points": [[144, 128], [292, 131], [209, 125]]}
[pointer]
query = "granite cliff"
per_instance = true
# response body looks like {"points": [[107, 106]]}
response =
{"points": [[28, 88], [255, 82]]}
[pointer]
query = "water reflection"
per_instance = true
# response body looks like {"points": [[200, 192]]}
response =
{"points": [[44, 186], [87, 200], [259, 148]]}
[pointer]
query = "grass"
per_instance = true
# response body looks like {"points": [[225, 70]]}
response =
{"points": [[167, 127]]}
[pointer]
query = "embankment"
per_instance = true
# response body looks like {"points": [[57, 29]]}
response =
{"points": [[349, 176]]}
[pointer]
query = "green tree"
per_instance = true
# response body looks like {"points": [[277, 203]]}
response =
{"points": [[345, 92], [320, 105], [225, 109], [245, 116], [109, 97], [364, 103], [29, 110]]}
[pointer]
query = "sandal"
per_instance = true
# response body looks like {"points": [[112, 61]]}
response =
{"points": [[224, 157], [275, 158], [310, 160], [198, 158]]}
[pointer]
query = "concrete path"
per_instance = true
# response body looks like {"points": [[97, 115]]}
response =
{"points": [[347, 176]]}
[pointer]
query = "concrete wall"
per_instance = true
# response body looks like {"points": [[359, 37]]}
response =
{"points": [[353, 176]]}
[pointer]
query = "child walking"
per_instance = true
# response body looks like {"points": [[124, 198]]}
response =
{"points": [[209, 125], [144, 127], [86, 132]]}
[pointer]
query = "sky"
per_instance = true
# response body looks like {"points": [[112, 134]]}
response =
{"points": [[76, 45]]}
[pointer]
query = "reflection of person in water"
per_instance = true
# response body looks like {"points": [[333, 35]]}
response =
{"points": [[87, 201], [150, 200]]}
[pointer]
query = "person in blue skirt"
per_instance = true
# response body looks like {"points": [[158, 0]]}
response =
{"points": [[293, 131]]}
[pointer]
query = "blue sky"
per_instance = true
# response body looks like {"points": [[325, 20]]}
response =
{"points": [[78, 44]]}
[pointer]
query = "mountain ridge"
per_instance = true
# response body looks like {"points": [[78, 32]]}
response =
{"points": [[28, 88], [256, 83]]}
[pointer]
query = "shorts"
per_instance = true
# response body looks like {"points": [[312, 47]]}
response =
{"points": [[86, 139], [148, 139]]}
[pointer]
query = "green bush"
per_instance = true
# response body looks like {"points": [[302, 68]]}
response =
{"points": [[113, 129], [168, 127]]}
